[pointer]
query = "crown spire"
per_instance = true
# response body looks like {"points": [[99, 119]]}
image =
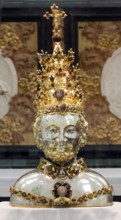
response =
{"points": [[59, 81], [58, 22]]}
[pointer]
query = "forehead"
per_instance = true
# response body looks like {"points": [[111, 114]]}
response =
{"points": [[59, 120]]}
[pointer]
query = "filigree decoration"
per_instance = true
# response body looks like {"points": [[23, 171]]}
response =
{"points": [[75, 168], [61, 201], [62, 188], [58, 17], [58, 78], [59, 82], [54, 170], [48, 168]]}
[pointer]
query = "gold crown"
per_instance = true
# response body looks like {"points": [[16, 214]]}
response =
{"points": [[59, 81]]}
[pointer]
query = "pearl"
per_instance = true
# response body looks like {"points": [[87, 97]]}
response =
{"points": [[61, 190]]}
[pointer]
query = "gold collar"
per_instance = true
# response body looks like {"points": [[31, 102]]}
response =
{"points": [[54, 170]]}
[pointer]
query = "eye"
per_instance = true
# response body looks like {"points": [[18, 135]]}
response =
{"points": [[52, 130], [70, 130]]}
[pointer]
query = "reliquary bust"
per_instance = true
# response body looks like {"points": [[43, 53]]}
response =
{"points": [[60, 130]]}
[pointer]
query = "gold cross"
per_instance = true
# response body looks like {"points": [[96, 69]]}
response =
{"points": [[55, 12]]}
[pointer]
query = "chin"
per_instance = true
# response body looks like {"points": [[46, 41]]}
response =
{"points": [[60, 157]]}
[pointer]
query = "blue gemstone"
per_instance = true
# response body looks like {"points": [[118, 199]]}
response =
{"points": [[63, 107], [59, 94]]}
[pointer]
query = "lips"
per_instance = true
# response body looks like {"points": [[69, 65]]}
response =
{"points": [[61, 148]]}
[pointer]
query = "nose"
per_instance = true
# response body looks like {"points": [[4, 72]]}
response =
{"points": [[61, 137]]}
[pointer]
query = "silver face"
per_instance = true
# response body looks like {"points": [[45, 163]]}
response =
{"points": [[60, 136]]}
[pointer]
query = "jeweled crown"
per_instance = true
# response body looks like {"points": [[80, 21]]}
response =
{"points": [[59, 79]]}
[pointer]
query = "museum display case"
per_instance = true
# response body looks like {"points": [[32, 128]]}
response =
{"points": [[93, 32]]}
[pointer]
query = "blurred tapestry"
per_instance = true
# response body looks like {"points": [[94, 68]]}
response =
{"points": [[18, 64], [99, 47]]}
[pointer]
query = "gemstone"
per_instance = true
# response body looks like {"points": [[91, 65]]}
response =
{"points": [[51, 108], [57, 38], [62, 191], [23, 194], [52, 78], [58, 74], [69, 84], [59, 94], [80, 95], [63, 107], [76, 167], [48, 168], [72, 108], [43, 201], [57, 185], [67, 185], [80, 199]]}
